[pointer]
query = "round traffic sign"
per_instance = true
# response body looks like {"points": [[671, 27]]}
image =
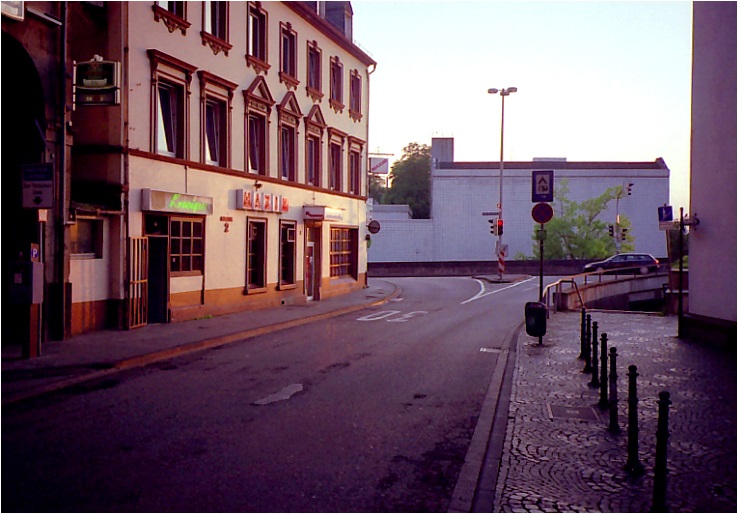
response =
{"points": [[542, 212], [373, 226]]}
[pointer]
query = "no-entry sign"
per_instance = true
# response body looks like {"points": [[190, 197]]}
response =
{"points": [[542, 212]]}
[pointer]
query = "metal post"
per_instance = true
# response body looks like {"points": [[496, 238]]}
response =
{"points": [[583, 333], [614, 427], [633, 466], [540, 248], [662, 441], [595, 382], [603, 403], [588, 346], [680, 310]]}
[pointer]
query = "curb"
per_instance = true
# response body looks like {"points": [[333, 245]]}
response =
{"points": [[185, 349]]}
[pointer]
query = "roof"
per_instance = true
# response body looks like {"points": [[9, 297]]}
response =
{"points": [[658, 164]]}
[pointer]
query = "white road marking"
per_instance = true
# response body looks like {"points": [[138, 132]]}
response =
{"points": [[284, 394], [482, 293]]}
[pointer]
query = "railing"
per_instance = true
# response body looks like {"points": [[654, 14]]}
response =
{"points": [[586, 278]]}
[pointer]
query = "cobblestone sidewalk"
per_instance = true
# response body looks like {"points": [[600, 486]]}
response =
{"points": [[559, 455]]}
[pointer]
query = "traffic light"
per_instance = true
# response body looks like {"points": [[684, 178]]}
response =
{"points": [[623, 231], [630, 188], [499, 227], [493, 226], [611, 230]]}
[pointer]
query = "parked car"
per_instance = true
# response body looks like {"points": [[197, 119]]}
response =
{"points": [[644, 263]]}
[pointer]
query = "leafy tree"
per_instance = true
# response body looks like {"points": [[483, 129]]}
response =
{"points": [[377, 188], [576, 232], [410, 180]]}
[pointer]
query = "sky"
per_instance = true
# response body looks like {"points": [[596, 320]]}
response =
{"points": [[597, 81]]}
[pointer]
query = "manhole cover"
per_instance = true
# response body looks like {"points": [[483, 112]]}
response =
{"points": [[566, 412]]}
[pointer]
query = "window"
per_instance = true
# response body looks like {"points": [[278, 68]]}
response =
{"points": [[287, 158], [335, 179], [288, 61], [172, 14], [336, 99], [215, 95], [257, 143], [289, 118], [287, 248], [313, 161], [215, 26], [86, 238], [344, 254], [170, 120], [355, 96], [169, 98], [314, 71], [354, 172], [258, 108], [186, 248], [256, 44], [256, 255]]}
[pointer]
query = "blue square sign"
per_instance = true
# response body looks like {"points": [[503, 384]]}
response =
{"points": [[543, 186]]}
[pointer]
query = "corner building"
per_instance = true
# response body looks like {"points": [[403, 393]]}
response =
{"points": [[232, 173]]}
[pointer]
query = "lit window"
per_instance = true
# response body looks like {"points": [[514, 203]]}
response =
{"points": [[344, 254], [86, 238]]}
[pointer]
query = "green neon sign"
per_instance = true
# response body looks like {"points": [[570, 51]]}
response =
{"points": [[187, 205]]}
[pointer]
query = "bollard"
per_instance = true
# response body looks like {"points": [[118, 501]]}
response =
{"points": [[583, 333], [595, 382], [588, 346], [662, 441], [614, 427], [633, 466], [603, 403]]}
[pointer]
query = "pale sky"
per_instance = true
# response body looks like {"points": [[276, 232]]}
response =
{"points": [[597, 81]]}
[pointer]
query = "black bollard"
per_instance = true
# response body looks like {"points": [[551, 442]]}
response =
{"points": [[614, 427], [603, 403], [588, 346], [595, 382], [662, 442], [583, 333], [633, 466]]}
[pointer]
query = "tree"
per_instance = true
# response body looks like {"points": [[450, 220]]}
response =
{"points": [[377, 188], [576, 232], [410, 180]]}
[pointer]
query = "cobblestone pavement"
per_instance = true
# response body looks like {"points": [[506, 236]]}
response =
{"points": [[559, 455]]}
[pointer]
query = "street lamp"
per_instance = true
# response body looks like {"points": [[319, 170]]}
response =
{"points": [[503, 93]]}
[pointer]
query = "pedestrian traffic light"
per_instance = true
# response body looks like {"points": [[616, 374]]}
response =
{"points": [[493, 226], [499, 227], [611, 230]]}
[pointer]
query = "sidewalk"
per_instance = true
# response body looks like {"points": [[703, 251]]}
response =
{"points": [[559, 455], [94, 355]]}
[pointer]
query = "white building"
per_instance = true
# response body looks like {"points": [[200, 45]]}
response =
{"points": [[462, 191], [712, 243]]}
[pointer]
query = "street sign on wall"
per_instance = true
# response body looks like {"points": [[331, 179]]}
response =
{"points": [[543, 186], [38, 186]]}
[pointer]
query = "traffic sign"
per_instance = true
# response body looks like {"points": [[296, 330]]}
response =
{"points": [[543, 186], [38, 186], [373, 226], [542, 212], [666, 218]]}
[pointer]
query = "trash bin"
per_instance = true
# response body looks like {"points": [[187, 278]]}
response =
{"points": [[535, 319]]}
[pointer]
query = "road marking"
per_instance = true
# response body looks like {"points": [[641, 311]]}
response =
{"points": [[482, 293], [281, 395], [376, 316], [490, 350]]}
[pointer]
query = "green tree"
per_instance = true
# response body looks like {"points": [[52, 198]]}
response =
{"points": [[410, 180], [377, 188], [576, 230]]}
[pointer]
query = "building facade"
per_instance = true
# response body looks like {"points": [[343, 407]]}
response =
{"points": [[712, 243], [462, 191], [218, 158]]}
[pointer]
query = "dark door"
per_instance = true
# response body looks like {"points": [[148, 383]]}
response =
{"points": [[158, 279]]}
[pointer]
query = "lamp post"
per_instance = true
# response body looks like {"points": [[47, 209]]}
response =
{"points": [[503, 93]]}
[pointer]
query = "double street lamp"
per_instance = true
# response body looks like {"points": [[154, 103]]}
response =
{"points": [[503, 93]]}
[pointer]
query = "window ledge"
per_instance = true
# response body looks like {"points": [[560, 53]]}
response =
{"points": [[355, 115], [258, 65], [287, 287], [172, 21], [289, 80], [254, 290], [315, 94], [336, 105], [217, 45]]}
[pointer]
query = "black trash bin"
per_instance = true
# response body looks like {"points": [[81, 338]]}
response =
{"points": [[535, 319]]}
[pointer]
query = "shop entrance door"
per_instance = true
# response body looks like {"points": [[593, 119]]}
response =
{"points": [[158, 279], [310, 270]]}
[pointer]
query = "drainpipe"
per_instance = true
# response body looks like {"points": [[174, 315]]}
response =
{"points": [[62, 211]]}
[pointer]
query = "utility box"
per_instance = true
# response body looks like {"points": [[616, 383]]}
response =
{"points": [[535, 319], [26, 282]]}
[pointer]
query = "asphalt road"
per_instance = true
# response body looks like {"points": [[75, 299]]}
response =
{"points": [[371, 411]]}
